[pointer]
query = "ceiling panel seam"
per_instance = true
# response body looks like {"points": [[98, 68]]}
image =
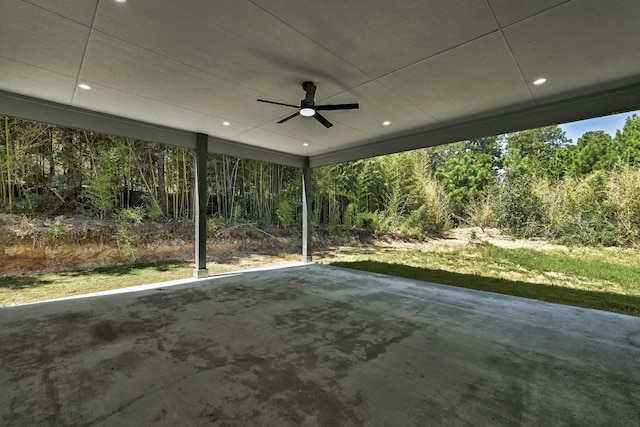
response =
{"points": [[442, 52], [170, 58], [338, 121], [56, 13], [84, 53], [513, 56], [316, 144], [535, 14], [352, 88], [428, 58], [36, 66], [417, 107], [173, 105]]}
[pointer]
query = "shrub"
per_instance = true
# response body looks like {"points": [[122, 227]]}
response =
{"points": [[367, 221], [579, 211], [285, 212], [102, 188], [154, 210], [483, 211], [431, 205], [334, 220], [214, 223], [590, 218], [35, 202], [126, 234], [56, 231], [350, 216], [520, 208], [623, 194], [416, 223]]}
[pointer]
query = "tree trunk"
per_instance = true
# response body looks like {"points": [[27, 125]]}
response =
{"points": [[9, 183], [162, 190]]}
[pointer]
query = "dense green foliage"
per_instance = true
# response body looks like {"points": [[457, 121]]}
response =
{"points": [[533, 183], [595, 151]]}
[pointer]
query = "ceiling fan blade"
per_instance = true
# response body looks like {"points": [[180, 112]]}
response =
{"points": [[337, 107], [319, 117], [278, 103], [297, 113]]}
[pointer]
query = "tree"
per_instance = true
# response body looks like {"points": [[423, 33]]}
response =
{"points": [[595, 151], [536, 152], [103, 183], [370, 185], [629, 140], [469, 168], [7, 155]]}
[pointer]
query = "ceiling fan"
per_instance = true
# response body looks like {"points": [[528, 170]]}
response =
{"points": [[308, 107]]}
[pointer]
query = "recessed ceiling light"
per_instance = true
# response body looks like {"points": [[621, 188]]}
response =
{"points": [[121, 1], [84, 86], [386, 123], [306, 144], [540, 81], [226, 123]]}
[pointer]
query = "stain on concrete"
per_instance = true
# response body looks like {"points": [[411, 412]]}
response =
{"points": [[176, 300], [202, 351], [264, 291], [105, 331], [162, 415], [51, 403], [298, 401], [213, 415]]}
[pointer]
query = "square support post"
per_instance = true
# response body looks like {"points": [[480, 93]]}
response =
{"points": [[200, 206], [306, 211]]}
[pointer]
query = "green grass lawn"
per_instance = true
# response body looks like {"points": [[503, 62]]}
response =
{"points": [[592, 278], [24, 289]]}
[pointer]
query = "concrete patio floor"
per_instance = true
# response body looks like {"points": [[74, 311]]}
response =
{"points": [[316, 345]]}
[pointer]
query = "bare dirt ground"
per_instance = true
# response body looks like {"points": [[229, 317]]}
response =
{"points": [[462, 237], [31, 246], [452, 239]]}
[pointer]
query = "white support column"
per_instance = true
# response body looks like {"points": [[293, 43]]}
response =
{"points": [[306, 212], [200, 205]]}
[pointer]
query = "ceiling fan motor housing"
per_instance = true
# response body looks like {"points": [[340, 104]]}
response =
{"points": [[310, 89]]}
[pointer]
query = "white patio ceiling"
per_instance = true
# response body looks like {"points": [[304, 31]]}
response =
{"points": [[439, 71]]}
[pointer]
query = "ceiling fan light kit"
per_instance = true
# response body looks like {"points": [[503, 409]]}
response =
{"points": [[307, 112], [308, 108]]}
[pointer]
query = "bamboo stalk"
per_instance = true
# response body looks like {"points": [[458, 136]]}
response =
{"points": [[9, 183]]}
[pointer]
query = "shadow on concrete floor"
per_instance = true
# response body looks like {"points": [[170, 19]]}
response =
{"points": [[608, 301]]}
